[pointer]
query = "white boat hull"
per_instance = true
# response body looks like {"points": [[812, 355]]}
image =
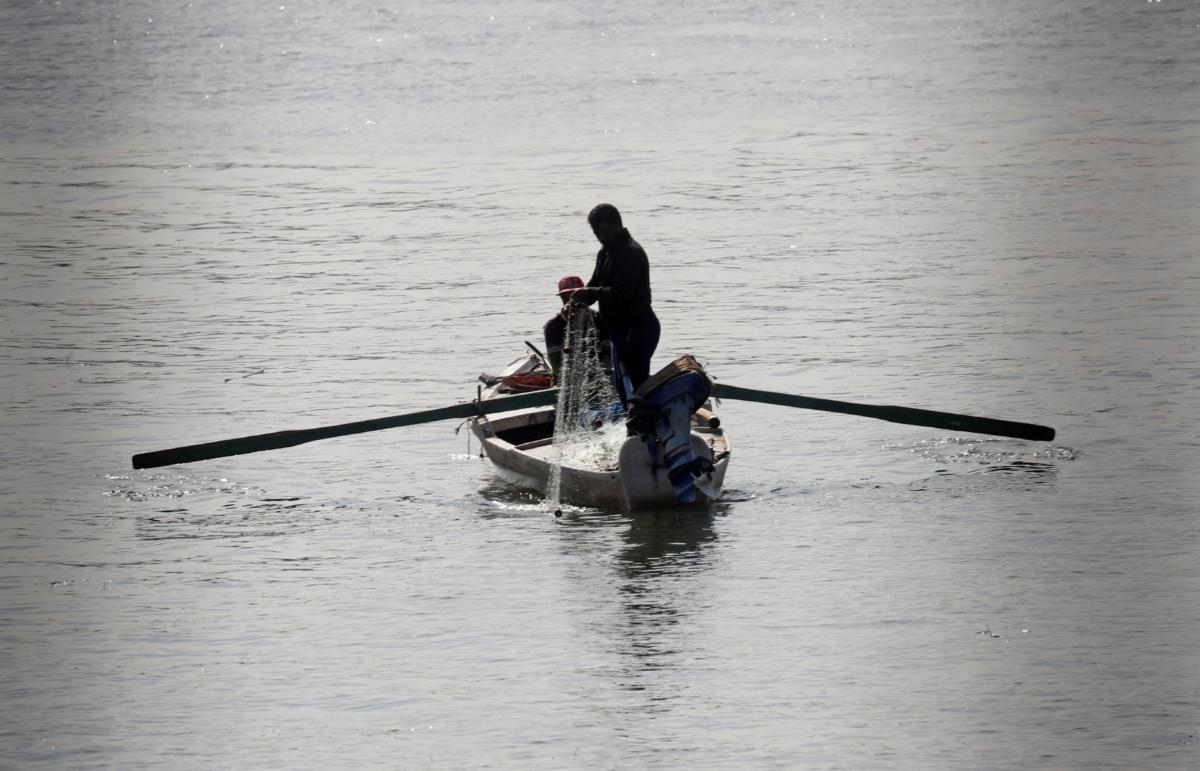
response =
{"points": [[519, 445]]}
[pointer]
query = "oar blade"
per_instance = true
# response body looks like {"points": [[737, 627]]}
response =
{"points": [[907, 415], [219, 449], [281, 439], [969, 423]]}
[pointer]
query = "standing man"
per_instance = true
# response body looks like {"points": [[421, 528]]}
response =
{"points": [[621, 283]]}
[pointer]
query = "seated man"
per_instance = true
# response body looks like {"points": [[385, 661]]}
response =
{"points": [[556, 329]]}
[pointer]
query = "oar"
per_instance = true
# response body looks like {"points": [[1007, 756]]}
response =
{"points": [[281, 439], [909, 415]]}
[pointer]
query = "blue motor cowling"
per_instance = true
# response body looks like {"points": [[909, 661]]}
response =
{"points": [[661, 414]]}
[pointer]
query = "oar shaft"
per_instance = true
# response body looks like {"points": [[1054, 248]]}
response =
{"points": [[281, 439], [907, 415]]}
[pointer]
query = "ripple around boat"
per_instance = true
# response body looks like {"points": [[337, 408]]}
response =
{"points": [[521, 445]]}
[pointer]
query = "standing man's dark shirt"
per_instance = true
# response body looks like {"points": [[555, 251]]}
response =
{"points": [[621, 283], [623, 270]]}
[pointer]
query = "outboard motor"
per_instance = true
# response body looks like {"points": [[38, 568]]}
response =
{"points": [[660, 412]]}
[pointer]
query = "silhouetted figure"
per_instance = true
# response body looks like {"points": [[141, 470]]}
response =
{"points": [[555, 330], [621, 283]]}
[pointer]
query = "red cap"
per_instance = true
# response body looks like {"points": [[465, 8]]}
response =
{"points": [[569, 285]]}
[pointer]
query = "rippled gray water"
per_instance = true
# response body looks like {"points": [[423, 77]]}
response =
{"points": [[233, 217]]}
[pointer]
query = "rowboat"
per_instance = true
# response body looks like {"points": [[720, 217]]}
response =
{"points": [[520, 444], [675, 452]]}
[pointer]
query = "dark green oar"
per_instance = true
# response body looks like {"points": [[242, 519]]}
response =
{"points": [[909, 415], [281, 439]]}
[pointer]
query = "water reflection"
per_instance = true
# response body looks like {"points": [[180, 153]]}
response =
{"points": [[662, 541], [636, 588], [639, 587]]}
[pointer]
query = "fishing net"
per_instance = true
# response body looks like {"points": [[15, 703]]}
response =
{"points": [[589, 421]]}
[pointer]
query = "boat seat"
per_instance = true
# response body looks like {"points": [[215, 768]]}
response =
{"points": [[535, 443]]}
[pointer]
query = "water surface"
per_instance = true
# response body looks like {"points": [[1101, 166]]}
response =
{"points": [[227, 218]]}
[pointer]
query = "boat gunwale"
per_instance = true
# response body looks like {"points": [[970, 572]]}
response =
{"points": [[603, 488]]}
